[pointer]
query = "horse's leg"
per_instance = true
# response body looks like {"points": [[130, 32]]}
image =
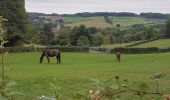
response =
{"points": [[57, 59], [119, 58], [48, 59]]}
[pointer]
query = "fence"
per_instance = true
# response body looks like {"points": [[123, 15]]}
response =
{"points": [[100, 50]]}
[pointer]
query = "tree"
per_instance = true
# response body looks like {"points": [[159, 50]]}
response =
{"points": [[83, 41], [118, 25], [77, 32], [64, 36], [167, 32], [2, 42], [109, 39], [47, 29], [108, 19], [149, 33], [14, 11], [97, 39]]}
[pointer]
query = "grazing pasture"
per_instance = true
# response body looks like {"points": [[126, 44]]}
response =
{"points": [[99, 21], [76, 69], [161, 43]]}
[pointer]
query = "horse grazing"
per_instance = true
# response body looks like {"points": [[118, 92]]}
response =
{"points": [[118, 56], [51, 53]]}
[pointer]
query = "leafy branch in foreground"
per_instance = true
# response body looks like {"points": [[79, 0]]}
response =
{"points": [[114, 87], [5, 87], [111, 89]]}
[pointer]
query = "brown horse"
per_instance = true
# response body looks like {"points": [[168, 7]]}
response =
{"points": [[118, 56], [51, 53]]}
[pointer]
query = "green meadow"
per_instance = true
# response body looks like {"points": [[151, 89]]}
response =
{"points": [[99, 21], [161, 43], [77, 69]]}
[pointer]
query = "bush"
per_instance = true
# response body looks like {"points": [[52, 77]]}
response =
{"points": [[135, 50], [39, 49]]}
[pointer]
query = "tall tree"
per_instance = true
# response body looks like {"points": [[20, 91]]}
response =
{"points": [[167, 32], [14, 11]]}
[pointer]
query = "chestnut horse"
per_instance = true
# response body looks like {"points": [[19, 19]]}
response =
{"points": [[118, 56], [51, 53]]}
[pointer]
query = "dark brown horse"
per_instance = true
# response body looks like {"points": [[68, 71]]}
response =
{"points": [[118, 56], [51, 53]]}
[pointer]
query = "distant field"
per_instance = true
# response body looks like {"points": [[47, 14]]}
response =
{"points": [[162, 43], [75, 19], [100, 22], [76, 69], [129, 21]]}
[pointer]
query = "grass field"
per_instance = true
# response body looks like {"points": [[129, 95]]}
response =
{"points": [[100, 22], [129, 21], [77, 68], [162, 43]]}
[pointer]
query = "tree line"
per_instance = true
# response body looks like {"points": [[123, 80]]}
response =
{"points": [[116, 14], [19, 29], [91, 36]]}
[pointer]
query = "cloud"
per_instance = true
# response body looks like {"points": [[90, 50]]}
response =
{"points": [[74, 6]]}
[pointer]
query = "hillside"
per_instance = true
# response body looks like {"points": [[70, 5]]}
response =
{"points": [[162, 43], [99, 21]]}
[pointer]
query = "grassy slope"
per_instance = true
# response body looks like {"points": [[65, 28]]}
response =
{"points": [[90, 22], [162, 43], [75, 19], [77, 68], [129, 21], [100, 22]]}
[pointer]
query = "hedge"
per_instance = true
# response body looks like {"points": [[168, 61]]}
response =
{"points": [[39, 49], [135, 50], [141, 42], [86, 49]]}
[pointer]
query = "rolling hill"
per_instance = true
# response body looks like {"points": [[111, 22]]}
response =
{"points": [[99, 21], [161, 43]]}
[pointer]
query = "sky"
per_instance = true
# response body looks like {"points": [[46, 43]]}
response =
{"points": [[76, 6]]}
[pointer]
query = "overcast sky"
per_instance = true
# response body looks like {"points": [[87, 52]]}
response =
{"points": [[75, 6]]}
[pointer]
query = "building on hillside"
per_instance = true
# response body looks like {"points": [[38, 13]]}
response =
{"points": [[56, 20], [53, 19]]}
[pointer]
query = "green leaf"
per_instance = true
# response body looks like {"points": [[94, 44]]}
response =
{"points": [[143, 86], [52, 85], [114, 87], [15, 93], [97, 81], [3, 98], [159, 75], [10, 84]]}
